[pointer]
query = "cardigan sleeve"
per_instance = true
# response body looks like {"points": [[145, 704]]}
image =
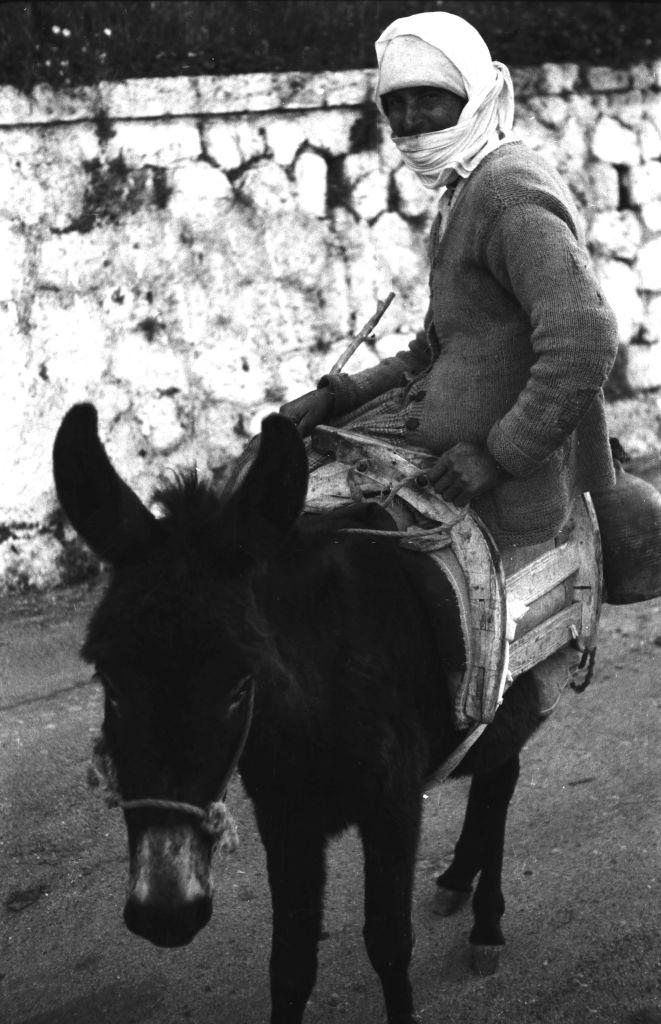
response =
{"points": [[534, 255], [350, 391]]}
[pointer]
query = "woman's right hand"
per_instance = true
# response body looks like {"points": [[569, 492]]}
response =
{"points": [[309, 410]]}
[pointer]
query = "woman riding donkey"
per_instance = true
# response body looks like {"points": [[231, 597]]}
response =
{"points": [[504, 383]]}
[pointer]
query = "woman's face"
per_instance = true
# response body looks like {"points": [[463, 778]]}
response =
{"points": [[421, 109]]}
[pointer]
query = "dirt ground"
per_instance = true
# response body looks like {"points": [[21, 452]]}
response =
{"points": [[582, 877]]}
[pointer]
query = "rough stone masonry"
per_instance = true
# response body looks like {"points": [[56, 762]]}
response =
{"points": [[189, 253]]}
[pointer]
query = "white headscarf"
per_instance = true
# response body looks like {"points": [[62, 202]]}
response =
{"points": [[443, 51]]}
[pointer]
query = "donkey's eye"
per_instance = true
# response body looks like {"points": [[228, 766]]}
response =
{"points": [[237, 694], [109, 690]]}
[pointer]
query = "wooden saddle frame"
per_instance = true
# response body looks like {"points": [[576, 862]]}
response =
{"points": [[510, 622]]}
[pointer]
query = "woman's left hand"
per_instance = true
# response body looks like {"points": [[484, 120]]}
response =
{"points": [[464, 472]]}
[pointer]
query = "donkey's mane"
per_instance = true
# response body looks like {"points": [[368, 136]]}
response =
{"points": [[189, 505], [186, 493]]}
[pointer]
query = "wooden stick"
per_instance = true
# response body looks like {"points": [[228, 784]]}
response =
{"points": [[363, 334]]}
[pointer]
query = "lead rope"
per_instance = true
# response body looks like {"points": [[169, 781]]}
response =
{"points": [[214, 819]]}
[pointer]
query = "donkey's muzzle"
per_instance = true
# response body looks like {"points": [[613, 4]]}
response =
{"points": [[169, 897], [170, 923]]}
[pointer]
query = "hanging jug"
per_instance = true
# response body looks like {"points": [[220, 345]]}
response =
{"points": [[629, 516]]}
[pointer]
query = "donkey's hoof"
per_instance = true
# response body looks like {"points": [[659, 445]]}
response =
{"points": [[485, 960], [448, 901]]}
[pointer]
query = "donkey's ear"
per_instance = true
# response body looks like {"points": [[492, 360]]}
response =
{"points": [[262, 512], [100, 506]]}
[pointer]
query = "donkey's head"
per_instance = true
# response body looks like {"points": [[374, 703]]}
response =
{"points": [[176, 642]]}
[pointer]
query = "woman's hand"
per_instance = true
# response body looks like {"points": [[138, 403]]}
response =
{"points": [[464, 472], [309, 410]]}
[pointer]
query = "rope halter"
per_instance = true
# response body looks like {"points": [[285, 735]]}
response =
{"points": [[214, 819]]}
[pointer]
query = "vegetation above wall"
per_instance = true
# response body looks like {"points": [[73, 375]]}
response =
{"points": [[82, 41]]}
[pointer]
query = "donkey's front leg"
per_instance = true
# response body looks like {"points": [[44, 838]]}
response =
{"points": [[390, 844], [295, 854]]}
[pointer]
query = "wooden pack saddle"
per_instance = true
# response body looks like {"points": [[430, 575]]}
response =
{"points": [[509, 622]]}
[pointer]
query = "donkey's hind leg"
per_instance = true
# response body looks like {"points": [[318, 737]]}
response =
{"points": [[494, 764], [480, 851], [496, 790], [390, 843]]}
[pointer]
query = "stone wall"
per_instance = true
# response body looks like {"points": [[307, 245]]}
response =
{"points": [[188, 253]]}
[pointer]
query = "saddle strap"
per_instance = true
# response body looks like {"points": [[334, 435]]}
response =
{"points": [[456, 757]]}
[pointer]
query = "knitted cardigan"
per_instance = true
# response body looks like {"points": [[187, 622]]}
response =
{"points": [[517, 344]]}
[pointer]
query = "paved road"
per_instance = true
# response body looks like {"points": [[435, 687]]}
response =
{"points": [[582, 883]]}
